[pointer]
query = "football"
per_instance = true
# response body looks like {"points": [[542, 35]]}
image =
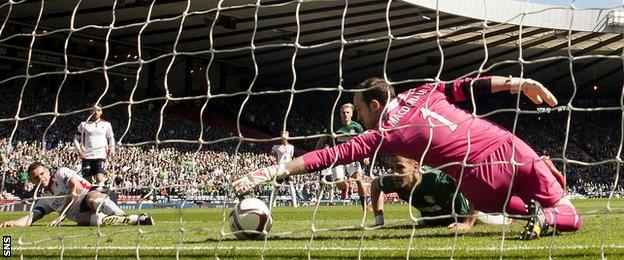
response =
{"points": [[249, 218]]}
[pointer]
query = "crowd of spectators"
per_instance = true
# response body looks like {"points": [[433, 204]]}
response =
{"points": [[304, 119], [149, 170]]}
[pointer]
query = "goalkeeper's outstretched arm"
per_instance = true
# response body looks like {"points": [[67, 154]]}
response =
{"points": [[358, 148], [459, 90]]}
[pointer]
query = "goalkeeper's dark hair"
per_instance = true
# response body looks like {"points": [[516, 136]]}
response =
{"points": [[376, 88]]}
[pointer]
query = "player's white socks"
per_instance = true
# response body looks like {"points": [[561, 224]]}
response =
{"points": [[273, 197], [293, 194], [96, 219], [107, 206], [133, 219]]}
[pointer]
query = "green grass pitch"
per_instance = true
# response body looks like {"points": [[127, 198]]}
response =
{"points": [[196, 233]]}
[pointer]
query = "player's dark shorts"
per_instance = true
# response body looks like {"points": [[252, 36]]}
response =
{"points": [[90, 167], [84, 207]]}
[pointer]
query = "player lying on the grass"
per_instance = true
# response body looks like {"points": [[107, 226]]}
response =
{"points": [[431, 192], [66, 190], [423, 123]]}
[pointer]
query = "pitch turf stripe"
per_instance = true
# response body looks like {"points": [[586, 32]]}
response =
{"points": [[514, 248]]}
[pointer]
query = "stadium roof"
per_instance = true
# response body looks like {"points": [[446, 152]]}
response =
{"points": [[413, 52]]}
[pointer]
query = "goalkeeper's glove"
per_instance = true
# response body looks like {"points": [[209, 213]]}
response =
{"points": [[257, 177], [533, 90], [379, 219]]}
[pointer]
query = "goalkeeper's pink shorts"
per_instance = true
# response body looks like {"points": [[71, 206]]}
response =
{"points": [[486, 186]]}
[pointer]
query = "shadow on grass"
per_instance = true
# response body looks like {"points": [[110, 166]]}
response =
{"points": [[357, 237]]}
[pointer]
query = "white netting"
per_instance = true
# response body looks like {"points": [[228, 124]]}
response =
{"points": [[174, 142]]}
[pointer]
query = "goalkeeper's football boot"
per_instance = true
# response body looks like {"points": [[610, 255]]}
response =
{"points": [[537, 224], [145, 220]]}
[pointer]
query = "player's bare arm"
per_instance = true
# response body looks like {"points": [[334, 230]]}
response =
{"points": [[110, 136], [467, 223], [77, 145], [76, 190], [377, 199], [21, 222]]}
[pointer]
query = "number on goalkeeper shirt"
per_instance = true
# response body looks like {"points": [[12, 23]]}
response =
{"points": [[440, 118]]}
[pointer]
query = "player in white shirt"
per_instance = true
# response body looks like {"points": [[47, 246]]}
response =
{"points": [[283, 153], [95, 142], [68, 193]]}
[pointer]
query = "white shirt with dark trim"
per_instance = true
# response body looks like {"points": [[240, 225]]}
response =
{"points": [[96, 138], [59, 187]]}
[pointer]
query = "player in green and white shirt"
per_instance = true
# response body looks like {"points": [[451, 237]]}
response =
{"points": [[345, 130], [433, 193]]}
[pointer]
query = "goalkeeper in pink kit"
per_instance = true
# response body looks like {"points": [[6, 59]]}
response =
{"points": [[424, 124]]}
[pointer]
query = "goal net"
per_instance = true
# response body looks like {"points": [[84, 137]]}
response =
{"points": [[197, 93]]}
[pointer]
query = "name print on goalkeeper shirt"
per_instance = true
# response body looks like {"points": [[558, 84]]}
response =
{"points": [[407, 100]]}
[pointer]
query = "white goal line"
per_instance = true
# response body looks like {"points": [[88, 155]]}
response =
{"points": [[298, 248]]}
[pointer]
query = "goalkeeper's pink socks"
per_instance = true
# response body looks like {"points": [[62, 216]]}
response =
{"points": [[563, 218]]}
